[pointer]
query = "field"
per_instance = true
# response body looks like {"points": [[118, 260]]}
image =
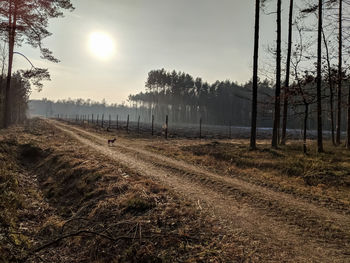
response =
{"points": [[69, 197]]}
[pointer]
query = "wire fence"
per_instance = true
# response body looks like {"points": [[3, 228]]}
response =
{"points": [[167, 129]]}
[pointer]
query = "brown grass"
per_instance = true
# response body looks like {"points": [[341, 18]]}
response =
{"points": [[76, 189], [323, 177]]}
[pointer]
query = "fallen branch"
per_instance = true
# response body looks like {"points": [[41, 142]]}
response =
{"points": [[77, 233]]}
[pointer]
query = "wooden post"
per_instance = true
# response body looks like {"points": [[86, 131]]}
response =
{"points": [[103, 116], [117, 122], [127, 124], [109, 121], [152, 125], [88, 118], [138, 125], [98, 116], [166, 127], [92, 118], [200, 128], [230, 133]]}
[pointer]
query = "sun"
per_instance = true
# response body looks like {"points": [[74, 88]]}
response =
{"points": [[101, 45]]}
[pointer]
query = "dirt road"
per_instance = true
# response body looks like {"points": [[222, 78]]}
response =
{"points": [[278, 227]]}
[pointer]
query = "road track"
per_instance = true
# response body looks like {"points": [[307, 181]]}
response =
{"points": [[285, 228]]}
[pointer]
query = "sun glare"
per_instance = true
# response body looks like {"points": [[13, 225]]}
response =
{"points": [[101, 45]]}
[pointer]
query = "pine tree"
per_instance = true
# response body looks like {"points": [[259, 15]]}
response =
{"points": [[27, 20], [255, 77]]}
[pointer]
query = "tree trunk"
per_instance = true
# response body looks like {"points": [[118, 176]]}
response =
{"points": [[319, 80], [348, 124], [306, 114], [11, 35], [330, 84], [286, 87], [255, 76], [276, 123], [340, 77]]}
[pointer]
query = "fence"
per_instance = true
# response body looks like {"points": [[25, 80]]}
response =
{"points": [[174, 130]]}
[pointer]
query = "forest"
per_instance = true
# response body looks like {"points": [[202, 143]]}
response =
{"points": [[270, 183], [306, 89]]}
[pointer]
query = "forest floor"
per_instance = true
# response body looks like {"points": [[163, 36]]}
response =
{"points": [[69, 197]]}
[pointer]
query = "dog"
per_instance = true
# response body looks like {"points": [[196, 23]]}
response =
{"points": [[111, 142]]}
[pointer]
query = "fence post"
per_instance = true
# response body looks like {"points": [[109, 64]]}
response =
{"points": [[152, 125], [103, 116], [117, 122], [166, 127], [127, 124], [98, 116], [200, 128], [109, 121], [92, 118], [230, 134], [138, 125]]}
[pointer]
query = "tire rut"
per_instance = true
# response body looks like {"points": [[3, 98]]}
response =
{"points": [[246, 208]]}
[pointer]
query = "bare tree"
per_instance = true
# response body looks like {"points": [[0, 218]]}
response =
{"points": [[255, 76], [319, 79], [340, 77], [276, 123], [286, 86]]}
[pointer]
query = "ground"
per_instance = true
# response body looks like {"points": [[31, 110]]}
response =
{"points": [[69, 197]]}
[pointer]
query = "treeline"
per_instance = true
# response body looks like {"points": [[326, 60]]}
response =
{"points": [[314, 72], [18, 97], [76, 108], [187, 99]]}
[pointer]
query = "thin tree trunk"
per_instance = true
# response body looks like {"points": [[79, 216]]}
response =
{"points": [[319, 79], [340, 77], [306, 114], [330, 84], [286, 87], [255, 76], [348, 124], [276, 123]]}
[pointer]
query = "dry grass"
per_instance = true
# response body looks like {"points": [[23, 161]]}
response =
{"points": [[324, 178], [105, 211]]}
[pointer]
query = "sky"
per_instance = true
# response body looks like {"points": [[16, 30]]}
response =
{"points": [[211, 39]]}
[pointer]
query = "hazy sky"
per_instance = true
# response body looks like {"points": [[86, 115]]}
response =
{"points": [[212, 39]]}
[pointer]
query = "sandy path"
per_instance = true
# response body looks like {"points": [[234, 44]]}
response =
{"points": [[285, 228]]}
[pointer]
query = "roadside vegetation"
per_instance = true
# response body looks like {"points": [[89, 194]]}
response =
{"points": [[322, 178], [62, 202], [319, 177]]}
